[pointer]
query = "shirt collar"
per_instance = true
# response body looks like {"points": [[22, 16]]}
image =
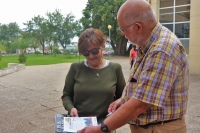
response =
{"points": [[154, 35]]}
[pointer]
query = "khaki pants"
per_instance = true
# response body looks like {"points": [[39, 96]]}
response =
{"points": [[177, 126], [114, 131]]}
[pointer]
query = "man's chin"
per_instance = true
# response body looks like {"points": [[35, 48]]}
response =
{"points": [[133, 43]]}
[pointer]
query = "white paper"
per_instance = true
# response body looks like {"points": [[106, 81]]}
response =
{"points": [[73, 124]]}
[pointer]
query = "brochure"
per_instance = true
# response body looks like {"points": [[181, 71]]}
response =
{"points": [[73, 124]]}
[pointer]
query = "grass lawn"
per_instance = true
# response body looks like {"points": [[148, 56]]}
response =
{"points": [[33, 59]]}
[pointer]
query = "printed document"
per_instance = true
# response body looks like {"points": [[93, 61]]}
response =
{"points": [[73, 124]]}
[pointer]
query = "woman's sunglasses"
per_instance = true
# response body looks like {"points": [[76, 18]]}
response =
{"points": [[94, 51]]}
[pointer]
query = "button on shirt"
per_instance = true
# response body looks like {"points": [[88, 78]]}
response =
{"points": [[161, 78]]}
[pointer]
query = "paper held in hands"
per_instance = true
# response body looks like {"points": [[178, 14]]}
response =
{"points": [[73, 124]]}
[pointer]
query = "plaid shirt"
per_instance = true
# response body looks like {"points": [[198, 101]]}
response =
{"points": [[161, 71]]}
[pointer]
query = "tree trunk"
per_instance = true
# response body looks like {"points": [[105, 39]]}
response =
{"points": [[112, 44], [42, 44], [121, 47]]}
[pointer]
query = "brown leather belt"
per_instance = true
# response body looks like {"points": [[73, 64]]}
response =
{"points": [[155, 123]]}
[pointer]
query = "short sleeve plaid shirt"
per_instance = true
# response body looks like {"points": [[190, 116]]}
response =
{"points": [[161, 74]]}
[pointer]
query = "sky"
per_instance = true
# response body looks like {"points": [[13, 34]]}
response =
{"points": [[21, 11]]}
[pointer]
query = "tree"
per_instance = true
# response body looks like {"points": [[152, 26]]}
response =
{"points": [[2, 49], [8, 32], [56, 51], [38, 28], [56, 29], [21, 43], [34, 42], [101, 13], [63, 28], [52, 27]]}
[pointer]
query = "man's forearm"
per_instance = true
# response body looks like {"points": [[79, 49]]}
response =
{"points": [[126, 113]]}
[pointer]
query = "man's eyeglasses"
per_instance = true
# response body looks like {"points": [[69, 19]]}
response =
{"points": [[123, 29], [94, 51]]}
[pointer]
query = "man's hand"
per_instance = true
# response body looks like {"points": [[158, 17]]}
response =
{"points": [[114, 105], [74, 112], [90, 129]]}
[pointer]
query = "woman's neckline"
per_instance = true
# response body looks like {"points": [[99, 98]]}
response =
{"points": [[104, 64]]}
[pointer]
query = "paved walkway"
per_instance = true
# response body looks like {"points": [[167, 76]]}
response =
{"points": [[30, 98]]}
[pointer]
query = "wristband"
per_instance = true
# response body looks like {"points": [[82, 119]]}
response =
{"points": [[104, 128]]}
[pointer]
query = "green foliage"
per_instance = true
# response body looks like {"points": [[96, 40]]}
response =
{"points": [[68, 52], [56, 28], [2, 48], [37, 28], [101, 13], [40, 60], [37, 53], [63, 28], [56, 51], [22, 58], [8, 32], [53, 29]]}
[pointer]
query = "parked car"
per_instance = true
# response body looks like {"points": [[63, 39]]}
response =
{"points": [[61, 51], [110, 52], [30, 51], [105, 53], [45, 51], [50, 51]]}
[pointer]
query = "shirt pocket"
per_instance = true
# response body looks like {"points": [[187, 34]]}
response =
{"points": [[129, 89]]}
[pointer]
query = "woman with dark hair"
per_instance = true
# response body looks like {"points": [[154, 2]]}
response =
{"points": [[93, 84]]}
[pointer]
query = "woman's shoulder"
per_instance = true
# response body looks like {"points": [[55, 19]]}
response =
{"points": [[77, 64], [115, 65]]}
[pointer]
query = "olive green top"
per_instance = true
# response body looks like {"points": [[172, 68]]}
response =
{"points": [[90, 94]]}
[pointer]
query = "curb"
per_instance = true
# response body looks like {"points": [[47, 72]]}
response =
{"points": [[12, 67]]}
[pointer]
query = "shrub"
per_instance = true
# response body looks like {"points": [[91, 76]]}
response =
{"points": [[22, 58], [56, 51], [37, 53]]}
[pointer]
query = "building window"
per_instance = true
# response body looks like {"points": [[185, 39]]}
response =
{"points": [[175, 15]]}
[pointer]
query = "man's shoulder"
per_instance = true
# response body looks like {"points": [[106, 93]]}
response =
{"points": [[168, 44]]}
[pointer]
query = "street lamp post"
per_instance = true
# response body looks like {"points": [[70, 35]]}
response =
{"points": [[109, 27]]}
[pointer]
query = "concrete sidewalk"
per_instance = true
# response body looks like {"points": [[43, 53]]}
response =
{"points": [[30, 98]]}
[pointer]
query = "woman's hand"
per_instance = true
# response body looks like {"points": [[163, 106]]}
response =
{"points": [[74, 112], [114, 105]]}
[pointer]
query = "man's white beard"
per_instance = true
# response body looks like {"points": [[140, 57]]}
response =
{"points": [[139, 40], [133, 43]]}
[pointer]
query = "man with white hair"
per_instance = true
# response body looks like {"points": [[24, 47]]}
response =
{"points": [[156, 95]]}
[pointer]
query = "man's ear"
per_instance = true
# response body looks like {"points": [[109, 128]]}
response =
{"points": [[139, 27]]}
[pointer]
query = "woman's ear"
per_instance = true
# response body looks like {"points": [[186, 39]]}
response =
{"points": [[103, 46]]}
